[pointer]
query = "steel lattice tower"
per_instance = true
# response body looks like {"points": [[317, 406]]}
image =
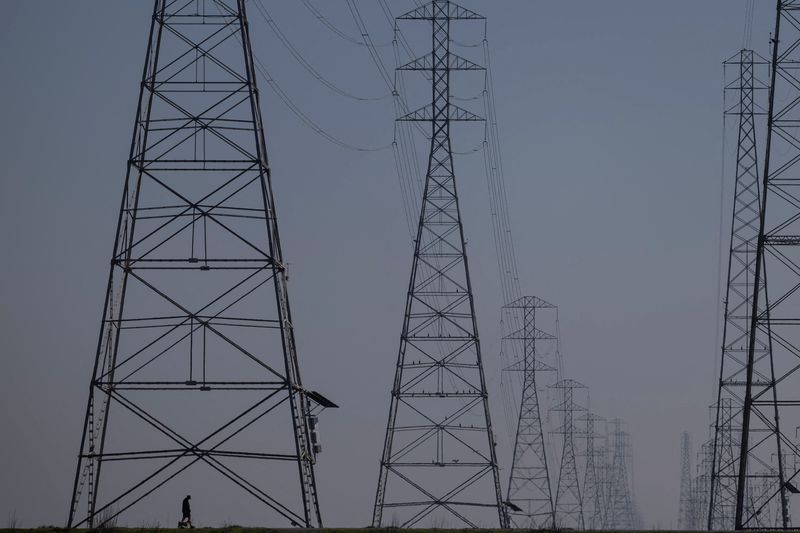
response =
{"points": [[593, 480], [568, 503], [772, 381], [738, 300], [722, 481], [701, 485], [529, 491], [685, 507], [620, 513], [439, 457], [196, 357]]}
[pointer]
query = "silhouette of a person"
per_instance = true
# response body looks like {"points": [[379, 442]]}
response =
{"points": [[186, 510]]}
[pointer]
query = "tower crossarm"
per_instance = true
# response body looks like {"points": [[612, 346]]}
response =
{"points": [[451, 113], [454, 62], [434, 11]]}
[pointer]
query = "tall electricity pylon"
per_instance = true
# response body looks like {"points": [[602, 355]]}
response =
{"points": [[569, 501], [620, 503], [439, 458], [594, 474], [701, 485], [738, 299], [196, 369], [772, 382], [722, 472], [529, 491], [685, 507]]}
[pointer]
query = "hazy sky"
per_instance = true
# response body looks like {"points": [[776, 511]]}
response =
{"points": [[611, 129]]}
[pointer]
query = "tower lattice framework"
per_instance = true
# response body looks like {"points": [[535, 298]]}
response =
{"points": [[771, 382], [594, 472], [724, 448], [685, 507], [438, 461], [732, 386], [196, 375], [529, 488], [569, 500], [620, 511], [701, 485]]}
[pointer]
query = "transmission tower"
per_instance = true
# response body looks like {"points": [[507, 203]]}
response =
{"points": [[739, 297], [438, 458], [529, 493], [774, 316], [702, 485], [620, 503], [196, 357], [569, 503], [593, 480], [685, 508], [723, 474]]}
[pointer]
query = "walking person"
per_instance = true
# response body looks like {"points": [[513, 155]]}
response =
{"points": [[186, 510]]}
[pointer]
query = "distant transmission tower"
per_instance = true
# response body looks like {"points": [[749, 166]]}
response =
{"points": [[685, 507], [593, 481], [529, 495], [196, 363], [438, 458], [722, 474], [701, 485], [620, 503], [738, 300], [569, 503]]}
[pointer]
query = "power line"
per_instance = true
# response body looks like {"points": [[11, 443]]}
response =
{"points": [[302, 116], [304, 63], [305, 119], [747, 36], [325, 22], [376, 58]]}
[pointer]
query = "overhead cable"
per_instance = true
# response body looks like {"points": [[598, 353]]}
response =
{"points": [[304, 63], [305, 119], [297, 111], [325, 22]]}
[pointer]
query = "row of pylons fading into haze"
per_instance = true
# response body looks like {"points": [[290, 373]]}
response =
{"points": [[196, 362]]}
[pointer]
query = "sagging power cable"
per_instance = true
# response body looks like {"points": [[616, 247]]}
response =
{"points": [[328, 24], [265, 14]]}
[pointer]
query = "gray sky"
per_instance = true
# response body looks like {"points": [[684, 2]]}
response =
{"points": [[611, 128]]}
